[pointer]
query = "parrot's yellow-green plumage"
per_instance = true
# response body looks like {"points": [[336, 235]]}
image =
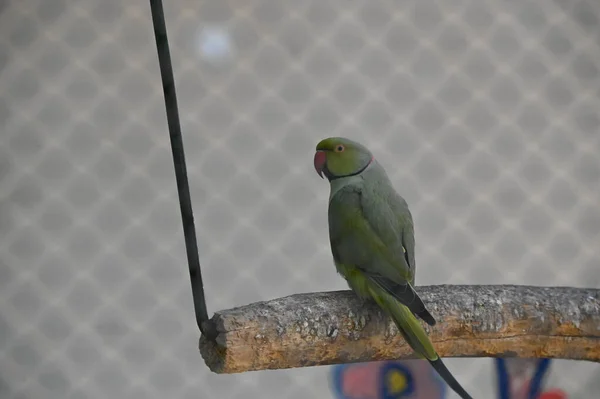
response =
{"points": [[372, 241]]}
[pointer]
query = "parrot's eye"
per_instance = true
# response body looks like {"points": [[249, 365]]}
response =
{"points": [[339, 148]]}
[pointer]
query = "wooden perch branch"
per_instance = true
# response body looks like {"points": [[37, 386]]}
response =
{"points": [[472, 321]]}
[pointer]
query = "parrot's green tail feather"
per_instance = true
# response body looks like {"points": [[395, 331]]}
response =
{"points": [[412, 331], [416, 337]]}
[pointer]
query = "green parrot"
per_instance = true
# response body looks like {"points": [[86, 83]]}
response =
{"points": [[372, 242]]}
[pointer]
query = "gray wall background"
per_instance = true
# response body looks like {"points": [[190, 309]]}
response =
{"points": [[485, 114]]}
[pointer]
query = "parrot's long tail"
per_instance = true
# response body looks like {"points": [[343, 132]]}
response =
{"points": [[417, 338], [440, 367]]}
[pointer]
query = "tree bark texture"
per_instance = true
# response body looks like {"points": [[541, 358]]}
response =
{"points": [[472, 321]]}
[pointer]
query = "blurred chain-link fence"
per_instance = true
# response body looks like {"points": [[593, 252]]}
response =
{"points": [[485, 114]]}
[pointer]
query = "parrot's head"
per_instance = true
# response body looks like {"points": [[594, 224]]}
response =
{"points": [[340, 157]]}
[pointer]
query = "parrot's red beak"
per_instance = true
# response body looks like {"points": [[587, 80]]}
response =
{"points": [[320, 159]]}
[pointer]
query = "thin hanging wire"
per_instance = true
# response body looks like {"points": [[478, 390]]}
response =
{"points": [[185, 203]]}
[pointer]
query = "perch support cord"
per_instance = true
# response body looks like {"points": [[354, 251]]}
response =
{"points": [[183, 190]]}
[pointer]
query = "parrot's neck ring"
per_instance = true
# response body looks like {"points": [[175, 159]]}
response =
{"points": [[331, 177]]}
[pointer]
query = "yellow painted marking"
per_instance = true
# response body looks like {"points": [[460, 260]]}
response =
{"points": [[396, 382]]}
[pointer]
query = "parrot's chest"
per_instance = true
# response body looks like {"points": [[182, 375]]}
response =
{"points": [[348, 228], [338, 184]]}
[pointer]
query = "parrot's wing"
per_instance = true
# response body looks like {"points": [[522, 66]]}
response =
{"points": [[372, 242], [404, 218], [392, 221]]}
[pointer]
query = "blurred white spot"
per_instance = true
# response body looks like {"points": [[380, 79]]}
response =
{"points": [[215, 44]]}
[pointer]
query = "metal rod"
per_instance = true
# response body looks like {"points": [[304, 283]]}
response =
{"points": [[185, 203]]}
